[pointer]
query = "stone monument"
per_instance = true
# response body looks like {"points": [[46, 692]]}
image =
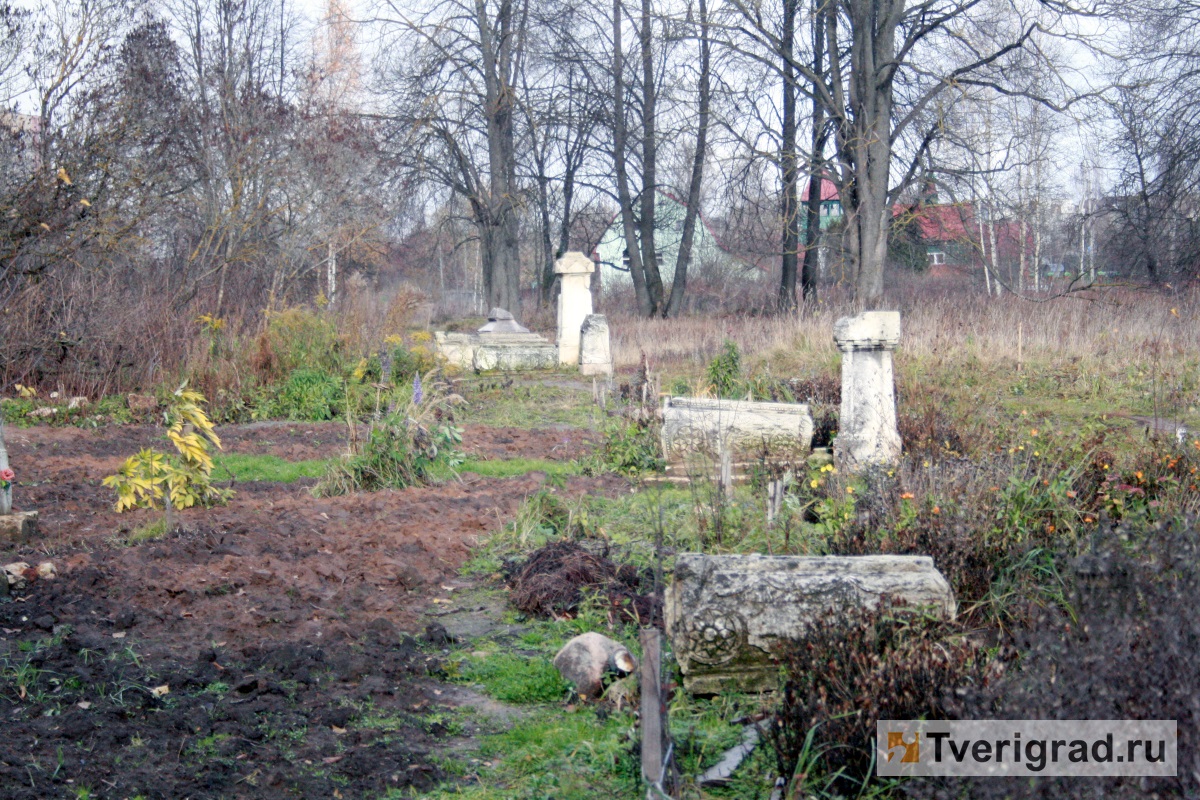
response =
{"points": [[727, 615], [595, 350], [501, 344], [867, 433], [574, 303]]}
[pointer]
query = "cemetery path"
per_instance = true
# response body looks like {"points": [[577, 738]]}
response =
{"points": [[266, 649]]}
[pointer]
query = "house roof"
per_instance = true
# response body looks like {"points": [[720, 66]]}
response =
{"points": [[828, 190], [943, 223]]}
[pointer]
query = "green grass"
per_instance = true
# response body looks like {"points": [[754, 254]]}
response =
{"points": [[512, 467], [151, 531], [245, 468], [515, 679], [567, 756]]}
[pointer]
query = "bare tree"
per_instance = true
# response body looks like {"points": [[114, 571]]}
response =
{"points": [[453, 92]]}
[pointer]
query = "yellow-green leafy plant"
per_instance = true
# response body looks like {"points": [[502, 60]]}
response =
{"points": [[178, 481]]}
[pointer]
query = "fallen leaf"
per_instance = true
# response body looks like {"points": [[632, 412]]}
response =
{"points": [[332, 759], [119, 635], [84, 704], [159, 691], [338, 731], [440, 600]]}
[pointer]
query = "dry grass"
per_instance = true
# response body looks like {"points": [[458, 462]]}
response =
{"points": [[1118, 326]]}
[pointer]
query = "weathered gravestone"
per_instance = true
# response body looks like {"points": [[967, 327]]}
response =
{"points": [[867, 433], [501, 344], [728, 615], [739, 433], [595, 350], [574, 303]]}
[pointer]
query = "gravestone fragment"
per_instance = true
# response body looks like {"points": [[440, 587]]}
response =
{"points": [[574, 302], [595, 350], [867, 434], [733, 435], [728, 615]]}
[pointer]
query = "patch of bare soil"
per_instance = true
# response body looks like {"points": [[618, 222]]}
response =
{"points": [[278, 624]]}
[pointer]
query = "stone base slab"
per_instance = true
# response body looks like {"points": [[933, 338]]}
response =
{"points": [[18, 527]]}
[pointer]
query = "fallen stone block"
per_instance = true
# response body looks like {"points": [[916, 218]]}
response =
{"points": [[727, 616], [588, 658], [18, 527]]}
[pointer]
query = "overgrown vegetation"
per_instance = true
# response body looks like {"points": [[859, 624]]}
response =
{"points": [[414, 443]]}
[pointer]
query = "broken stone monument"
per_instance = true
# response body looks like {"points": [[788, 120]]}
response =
{"points": [[14, 527], [595, 351], [574, 303], [738, 432], [503, 344], [867, 433], [727, 615]]}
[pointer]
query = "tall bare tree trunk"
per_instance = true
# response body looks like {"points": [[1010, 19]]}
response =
{"points": [[679, 283], [501, 259], [816, 165], [654, 285], [628, 224], [790, 244]]}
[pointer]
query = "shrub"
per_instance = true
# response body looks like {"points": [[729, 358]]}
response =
{"points": [[298, 338], [725, 372], [408, 447], [179, 481], [630, 448], [853, 669], [310, 395]]}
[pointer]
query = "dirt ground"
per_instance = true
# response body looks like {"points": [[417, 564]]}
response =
{"points": [[275, 647]]}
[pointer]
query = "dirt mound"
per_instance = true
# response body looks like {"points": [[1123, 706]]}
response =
{"points": [[555, 578]]}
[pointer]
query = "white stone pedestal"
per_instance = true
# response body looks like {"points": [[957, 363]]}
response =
{"points": [[574, 303], [867, 433]]}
